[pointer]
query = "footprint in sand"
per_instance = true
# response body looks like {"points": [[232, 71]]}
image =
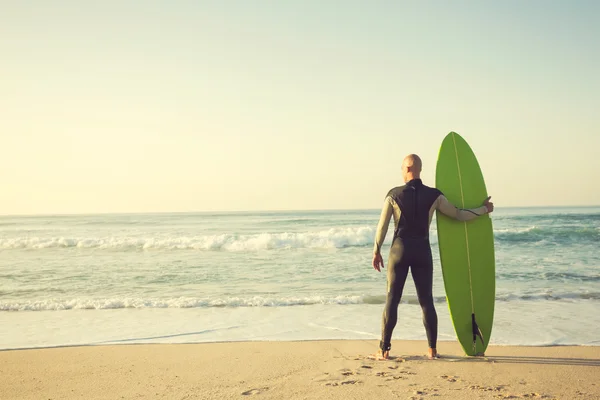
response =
{"points": [[426, 391], [450, 378], [349, 382], [526, 396], [487, 388], [254, 391], [408, 372], [390, 359]]}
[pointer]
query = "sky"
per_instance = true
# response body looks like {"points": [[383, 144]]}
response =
{"points": [[179, 106]]}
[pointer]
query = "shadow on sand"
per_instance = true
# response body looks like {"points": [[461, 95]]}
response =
{"points": [[584, 362]]}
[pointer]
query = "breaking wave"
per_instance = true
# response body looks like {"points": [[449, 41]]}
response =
{"points": [[338, 237], [331, 238]]}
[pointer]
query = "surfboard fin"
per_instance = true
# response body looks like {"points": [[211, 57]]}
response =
{"points": [[476, 333]]}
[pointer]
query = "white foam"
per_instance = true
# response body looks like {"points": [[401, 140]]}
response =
{"points": [[515, 230], [331, 238], [269, 301], [261, 301], [180, 302]]}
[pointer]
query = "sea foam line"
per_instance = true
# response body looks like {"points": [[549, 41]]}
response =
{"points": [[179, 302], [254, 301]]}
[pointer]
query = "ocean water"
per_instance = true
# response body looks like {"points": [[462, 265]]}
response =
{"points": [[205, 277]]}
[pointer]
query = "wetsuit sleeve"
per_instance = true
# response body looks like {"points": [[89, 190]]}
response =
{"points": [[382, 226], [459, 214]]}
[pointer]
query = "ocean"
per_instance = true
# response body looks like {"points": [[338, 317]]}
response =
{"points": [[255, 276]]}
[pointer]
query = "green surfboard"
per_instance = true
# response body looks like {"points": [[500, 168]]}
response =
{"points": [[466, 248]]}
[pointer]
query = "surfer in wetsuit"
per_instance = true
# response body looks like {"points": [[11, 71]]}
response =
{"points": [[412, 207]]}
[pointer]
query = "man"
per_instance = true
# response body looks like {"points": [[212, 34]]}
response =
{"points": [[412, 206]]}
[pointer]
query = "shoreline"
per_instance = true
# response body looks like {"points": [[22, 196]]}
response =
{"points": [[307, 369], [440, 341]]}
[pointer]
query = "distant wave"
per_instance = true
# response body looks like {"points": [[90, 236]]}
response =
{"points": [[550, 276], [549, 296], [331, 238], [549, 234], [555, 217], [251, 301]]}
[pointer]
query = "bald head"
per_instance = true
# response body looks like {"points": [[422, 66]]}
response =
{"points": [[411, 167]]}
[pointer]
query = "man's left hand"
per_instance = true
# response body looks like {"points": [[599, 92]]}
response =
{"points": [[378, 262]]}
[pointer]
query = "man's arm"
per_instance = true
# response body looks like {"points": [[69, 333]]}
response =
{"points": [[460, 214], [382, 226]]}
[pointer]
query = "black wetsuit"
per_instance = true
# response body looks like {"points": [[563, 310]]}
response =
{"points": [[411, 250]]}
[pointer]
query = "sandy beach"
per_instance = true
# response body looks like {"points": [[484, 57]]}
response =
{"points": [[298, 370]]}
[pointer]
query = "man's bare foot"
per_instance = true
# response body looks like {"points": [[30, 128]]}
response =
{"points": [[382, 355], [432, 354]]}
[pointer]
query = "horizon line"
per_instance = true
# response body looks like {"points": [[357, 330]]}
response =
{"points": [[253, 211]]}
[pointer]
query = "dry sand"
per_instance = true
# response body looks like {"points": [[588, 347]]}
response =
{"points": [[298, 370]]}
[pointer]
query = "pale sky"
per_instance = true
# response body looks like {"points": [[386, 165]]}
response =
{"points": [[141, 106]]}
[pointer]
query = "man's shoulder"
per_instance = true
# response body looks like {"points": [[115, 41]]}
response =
{"points": [[395, 191], [433, 190], [431, 195]]}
